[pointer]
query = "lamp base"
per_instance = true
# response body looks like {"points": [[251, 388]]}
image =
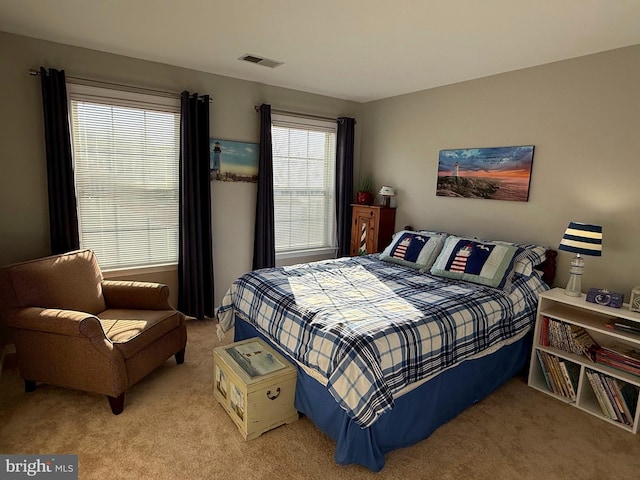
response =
{"points": [[574, 285]]}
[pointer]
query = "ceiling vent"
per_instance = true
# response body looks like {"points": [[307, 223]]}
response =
{"points": [[265, 62]]}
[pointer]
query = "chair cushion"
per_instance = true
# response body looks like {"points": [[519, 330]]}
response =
{"points": [[71, 281], [132, 330]]}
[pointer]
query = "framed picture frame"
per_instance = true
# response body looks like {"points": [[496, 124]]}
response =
{"points": [[232, 161], [495, 173], [634, 301]]}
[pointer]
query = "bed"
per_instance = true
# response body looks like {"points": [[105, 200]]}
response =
{"points": [[390, 346]]}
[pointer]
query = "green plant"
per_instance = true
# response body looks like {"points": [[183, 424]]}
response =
{"points": [[365, 185]]}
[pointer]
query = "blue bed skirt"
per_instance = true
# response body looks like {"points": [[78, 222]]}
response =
{"points": [[415, 416]]}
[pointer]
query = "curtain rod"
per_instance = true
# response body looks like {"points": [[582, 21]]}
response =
{"points": [[297, 114], [118, 86]]}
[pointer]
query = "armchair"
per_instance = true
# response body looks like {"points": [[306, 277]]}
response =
{"points": [[74, 329]]}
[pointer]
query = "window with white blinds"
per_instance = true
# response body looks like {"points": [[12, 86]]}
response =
{"points": [[125, 154], [304, 152]]}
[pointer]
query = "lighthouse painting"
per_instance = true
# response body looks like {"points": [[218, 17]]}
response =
{"points": [[231, 161], [497, 173]]}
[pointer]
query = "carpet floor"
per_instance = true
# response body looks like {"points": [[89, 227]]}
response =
{"points": [[172, 428]]}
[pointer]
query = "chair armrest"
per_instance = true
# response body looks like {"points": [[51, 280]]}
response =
{"points": [[52, 320], [136, 295]]}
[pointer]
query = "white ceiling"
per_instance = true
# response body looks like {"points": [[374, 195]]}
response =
{"points": [[358, 50]]}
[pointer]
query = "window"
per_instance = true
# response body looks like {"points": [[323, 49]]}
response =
{"points": [[125, 154], [304, 152]]}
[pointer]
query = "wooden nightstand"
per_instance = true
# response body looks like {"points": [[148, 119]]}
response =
{"points": [[372, 227], [255, 385]]}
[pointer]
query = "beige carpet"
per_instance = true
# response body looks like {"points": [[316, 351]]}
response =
{"points": [[172, 428]]}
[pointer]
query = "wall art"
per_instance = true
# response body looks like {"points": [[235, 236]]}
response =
{"points": [[232, 161], [496, 173]]}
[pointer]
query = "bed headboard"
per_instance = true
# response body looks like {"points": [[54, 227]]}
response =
{"points": [[548, 268]]}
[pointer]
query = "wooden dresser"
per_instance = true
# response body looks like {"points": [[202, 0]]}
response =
{"points": [[372, 227]]}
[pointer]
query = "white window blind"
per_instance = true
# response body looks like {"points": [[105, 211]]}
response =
{"points": [[304, 152], [125, 154]]}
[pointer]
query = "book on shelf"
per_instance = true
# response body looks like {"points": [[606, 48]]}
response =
{"points": [[570, 373], [599, 389], [629, 393], [617, 399], [568, 337], [624, 325], [555, 362], [629, 410], [547, 370], [607, 383], [620, 356], [544, 370], [596, 392], [561, 376], [544, 332]]}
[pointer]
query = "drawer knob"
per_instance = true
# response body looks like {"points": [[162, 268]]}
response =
{"points": [[273, 397]]}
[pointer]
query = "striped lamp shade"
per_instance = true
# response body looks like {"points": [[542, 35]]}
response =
{"points": [[582, 239]]}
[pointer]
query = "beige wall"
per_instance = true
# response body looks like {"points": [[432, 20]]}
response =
{"points": [[582, 115], [23, 188]]}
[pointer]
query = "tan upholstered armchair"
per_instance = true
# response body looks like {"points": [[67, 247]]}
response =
{"points": [[74, 329]]}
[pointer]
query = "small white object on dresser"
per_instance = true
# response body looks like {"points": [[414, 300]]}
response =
{"points": [[255, 385], [593, 386]]}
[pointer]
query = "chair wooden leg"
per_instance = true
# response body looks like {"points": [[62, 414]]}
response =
{"points": [[180, 356], [117, 403], [29, 386]]}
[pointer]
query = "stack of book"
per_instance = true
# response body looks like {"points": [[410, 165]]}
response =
{"points": [[622, 357], [567, 337], [561, 376], [617, 399], [623, 325]]}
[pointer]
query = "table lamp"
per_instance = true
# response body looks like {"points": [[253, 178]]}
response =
{"points": [[581, 239], [386, 192]]}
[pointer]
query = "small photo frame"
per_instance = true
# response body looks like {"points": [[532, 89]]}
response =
{"points": [[634, 302]]}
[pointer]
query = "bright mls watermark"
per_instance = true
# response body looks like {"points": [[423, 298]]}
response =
{"points": [[51, 467]]}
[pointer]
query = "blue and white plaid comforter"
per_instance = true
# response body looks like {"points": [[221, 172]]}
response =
{"points": [[372, 328]]}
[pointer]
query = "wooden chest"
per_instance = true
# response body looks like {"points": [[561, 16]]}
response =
{"points": [[255, 385]]}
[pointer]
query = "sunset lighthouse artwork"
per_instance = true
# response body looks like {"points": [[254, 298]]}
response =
{"points": [[497, 173]]}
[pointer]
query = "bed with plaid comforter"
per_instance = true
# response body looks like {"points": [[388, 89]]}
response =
{"points": [[373, 328]]}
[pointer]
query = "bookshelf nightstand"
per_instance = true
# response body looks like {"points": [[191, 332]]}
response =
{"points": [[606, 392]]}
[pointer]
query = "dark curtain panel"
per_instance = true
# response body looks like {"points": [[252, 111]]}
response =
{"points": [[195, 264], [344, 183], [264, 243], [63, 215]]}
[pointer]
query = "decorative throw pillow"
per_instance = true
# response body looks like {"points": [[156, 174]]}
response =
{"points": [[530, 257], [413, 249], [485, 263]]}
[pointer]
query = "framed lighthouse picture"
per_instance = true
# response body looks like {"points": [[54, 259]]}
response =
{"points": [[232, 161], [496, 173]]}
